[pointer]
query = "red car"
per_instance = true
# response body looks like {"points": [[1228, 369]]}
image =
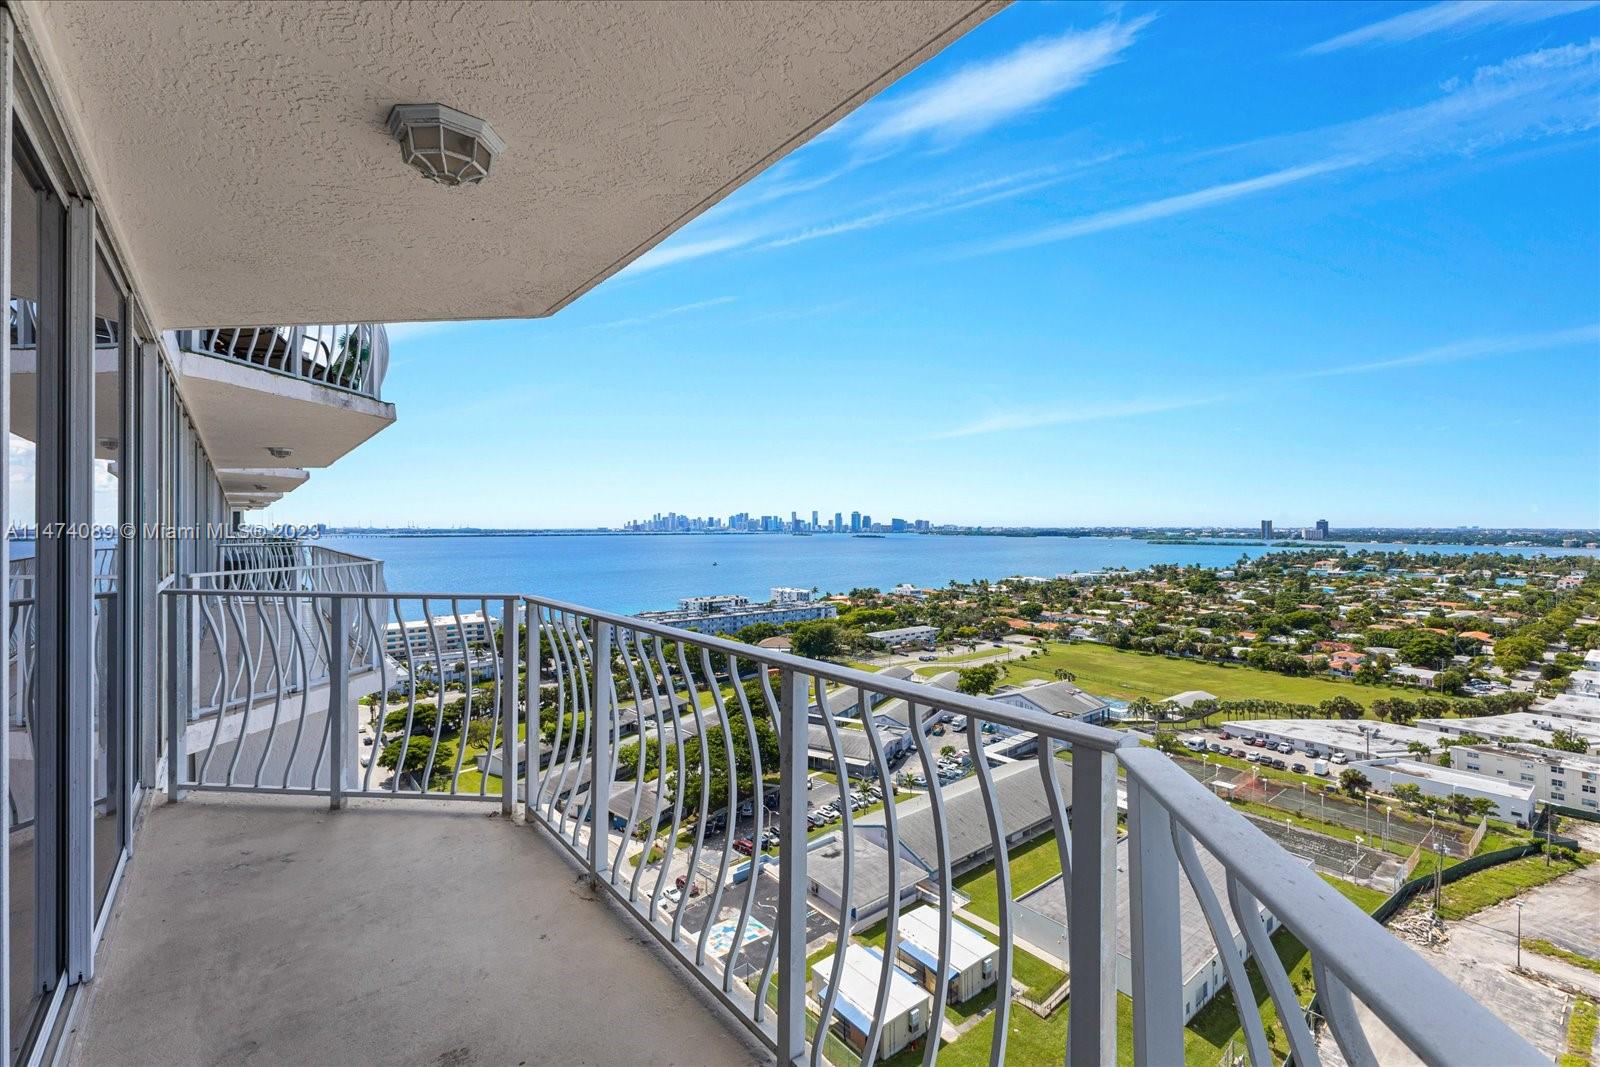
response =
{"points": [[694, 890], [744, 845]]}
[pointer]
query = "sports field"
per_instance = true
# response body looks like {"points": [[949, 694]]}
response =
{"points": [[1113, 672]]}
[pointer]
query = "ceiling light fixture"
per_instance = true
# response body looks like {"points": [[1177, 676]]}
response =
{"points": [[279, 452], [448, 146]]}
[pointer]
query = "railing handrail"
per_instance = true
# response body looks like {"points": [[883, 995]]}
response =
{"points": [[1383, 973], [1069, 730], [363, 378]]}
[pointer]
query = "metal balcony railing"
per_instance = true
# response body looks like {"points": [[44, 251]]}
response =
{"points": [[350, 356], [660, 759]]}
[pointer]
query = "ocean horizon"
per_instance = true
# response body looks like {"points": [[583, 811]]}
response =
{"points": [[643, 573]]}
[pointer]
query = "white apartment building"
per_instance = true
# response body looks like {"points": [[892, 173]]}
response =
{"points": [[1513, 801], [906, 636], [733, 613], [1565, 778], [442, 634], [788, 594]]}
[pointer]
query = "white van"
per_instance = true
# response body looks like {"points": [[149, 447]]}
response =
{"points": [[1320, 767], [1339, 757], [1194, 744]]}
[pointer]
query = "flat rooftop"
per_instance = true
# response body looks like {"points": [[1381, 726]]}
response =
{"points": [[1531, 754], [858, 987], [1529, 726], [919, 933], [1464, 781], [1387, 739]]}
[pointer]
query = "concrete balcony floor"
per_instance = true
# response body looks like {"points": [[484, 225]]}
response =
{"points": [[269, 930]]}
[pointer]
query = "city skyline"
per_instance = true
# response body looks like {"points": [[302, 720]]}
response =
{"points": [[1173, 265]]}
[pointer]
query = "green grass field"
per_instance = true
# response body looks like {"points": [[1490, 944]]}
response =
{"points": [[1581, 1026], [1112, 672], [1032, 865], [1488, 887]]}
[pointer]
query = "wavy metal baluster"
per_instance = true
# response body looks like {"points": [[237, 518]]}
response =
{"points": [[381, 696], [559, 664], [892, 930], [338, 646], [641, 648], [771, 961], [677, 781], [570, 685], [1338, 1007], [587, 675], [825, 1020], [626, 650], [236, 610], [1247, 913], [219, 690], [466, 689], [715, 905], [402, 756], [758, 792], [432, 627], [295, 607], [216, 723], [277, 678], [1244, 1001], [495, 702], [705, 793], [941, 830], [1002, 877]]}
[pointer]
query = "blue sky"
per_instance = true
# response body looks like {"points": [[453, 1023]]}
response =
{"points": [[1150, 263]]}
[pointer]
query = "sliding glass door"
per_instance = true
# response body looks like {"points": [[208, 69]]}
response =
{"points": [[35, 638]]}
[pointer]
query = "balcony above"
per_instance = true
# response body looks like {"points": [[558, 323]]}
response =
{"points": [[252, 487], [283, 396]]}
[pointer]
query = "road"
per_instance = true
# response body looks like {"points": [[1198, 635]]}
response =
{"points": [[1480, 955]]}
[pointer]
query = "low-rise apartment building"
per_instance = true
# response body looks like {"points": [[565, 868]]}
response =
{"points": [[907, 636], [730, 614], [1513, 802], [446, 634], [1569, 779]]}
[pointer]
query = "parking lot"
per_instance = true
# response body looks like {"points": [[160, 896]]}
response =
{"points": [[763, 909]]}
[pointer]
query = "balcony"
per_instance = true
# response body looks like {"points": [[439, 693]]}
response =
{"points": [[273, 397], [333, 749]]}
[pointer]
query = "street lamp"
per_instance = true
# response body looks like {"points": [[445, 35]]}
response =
{"points": [[1519, 934], [1388, 810]]}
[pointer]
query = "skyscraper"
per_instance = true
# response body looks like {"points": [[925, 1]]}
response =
{"points": [[855, 522], [813, 518], [1266, 529], [1322, 529], [838, 521]]}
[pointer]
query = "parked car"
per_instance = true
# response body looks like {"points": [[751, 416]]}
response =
{"points": [[1339, 757], [694, 890], [1286, 748], [744, 845], [926, 659], [1252, 757], [1298, 768]]}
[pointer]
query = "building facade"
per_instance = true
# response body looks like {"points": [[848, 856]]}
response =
{"points": [[1569, 779]]}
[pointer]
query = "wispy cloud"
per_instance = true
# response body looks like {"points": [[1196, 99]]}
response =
{"points": [[983, 95], [971, 195], [1547, 93], [664, 313], [682, 251], [1475, 348], [1036, 418], [1167, 207], [1455, 17]]}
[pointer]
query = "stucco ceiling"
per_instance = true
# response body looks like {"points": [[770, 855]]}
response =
{"points": [[240, 151]]}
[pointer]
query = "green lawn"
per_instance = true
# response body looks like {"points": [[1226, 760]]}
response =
{"points": [[1359, 895], [1488, 887], [1580, 1033], [1556, 952], [1032, 865], [1113, 672]]}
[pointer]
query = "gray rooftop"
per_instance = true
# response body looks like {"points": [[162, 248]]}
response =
{"points": [[1054, 698], [869, 871], [1021, 800]]}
